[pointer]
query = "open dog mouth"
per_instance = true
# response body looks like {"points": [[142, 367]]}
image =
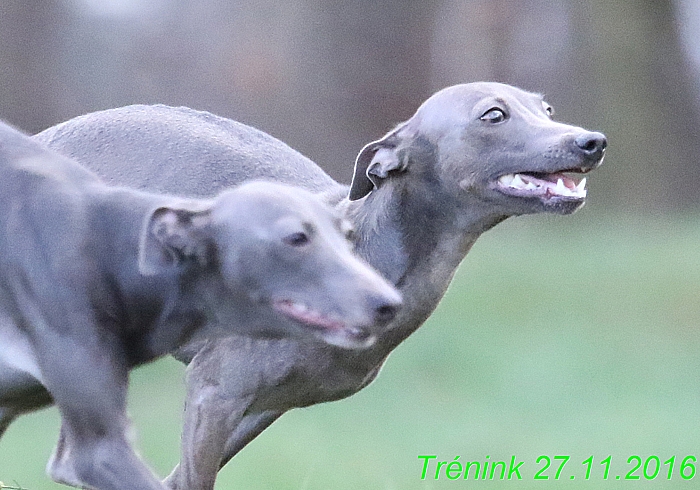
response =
{"points": [[542, 185], [307, 315], [347, 336]]}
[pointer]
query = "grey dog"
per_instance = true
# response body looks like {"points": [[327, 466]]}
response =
{"points": [[470, 157], [96, 280]]}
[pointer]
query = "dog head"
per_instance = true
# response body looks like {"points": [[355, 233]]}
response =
{"points": [[487, 142], [272, 261]]}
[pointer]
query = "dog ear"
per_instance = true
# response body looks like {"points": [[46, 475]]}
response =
{"points": [[373, 165], [173, 235]]}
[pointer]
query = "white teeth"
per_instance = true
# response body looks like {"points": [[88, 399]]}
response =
{"points": [[561, 189], [506, 180], [517, 182], [529, 183], [578, 191]]}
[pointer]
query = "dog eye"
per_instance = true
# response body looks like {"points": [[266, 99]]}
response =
{"points": [[548, 109], [494, 115], [297, 239]]}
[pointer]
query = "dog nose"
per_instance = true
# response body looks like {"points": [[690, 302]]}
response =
{"points": [[592, 144], [385, 311]]}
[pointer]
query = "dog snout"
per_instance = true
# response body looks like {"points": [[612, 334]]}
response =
{"points": [[591, 144]]}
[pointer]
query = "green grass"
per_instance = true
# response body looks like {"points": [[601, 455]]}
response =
{"points": [[559, 336]]}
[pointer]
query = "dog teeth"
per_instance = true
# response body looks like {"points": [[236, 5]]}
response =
{"points": [[561, 188], [506, 180], [517, 182], [578, 191], [539, 186]]}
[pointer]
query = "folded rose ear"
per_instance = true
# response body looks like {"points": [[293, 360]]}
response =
{"points": [[173, 235], [374, 163]]}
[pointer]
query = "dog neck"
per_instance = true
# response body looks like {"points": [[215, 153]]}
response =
{"points": [[157, 313], [416, 233]]}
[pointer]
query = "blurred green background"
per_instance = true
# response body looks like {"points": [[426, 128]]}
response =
{"points": [[559, 336]]}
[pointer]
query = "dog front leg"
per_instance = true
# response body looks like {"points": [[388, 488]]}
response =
{"points": [[85, 373], [209, 419], [93, 450]]}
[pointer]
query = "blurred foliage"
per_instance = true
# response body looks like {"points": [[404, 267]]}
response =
{"points": [[328, 77]]}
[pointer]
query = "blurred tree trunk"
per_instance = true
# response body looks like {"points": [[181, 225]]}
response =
{"points": [[29, 88], [688, 23], [645, 99], [363, 67]]}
